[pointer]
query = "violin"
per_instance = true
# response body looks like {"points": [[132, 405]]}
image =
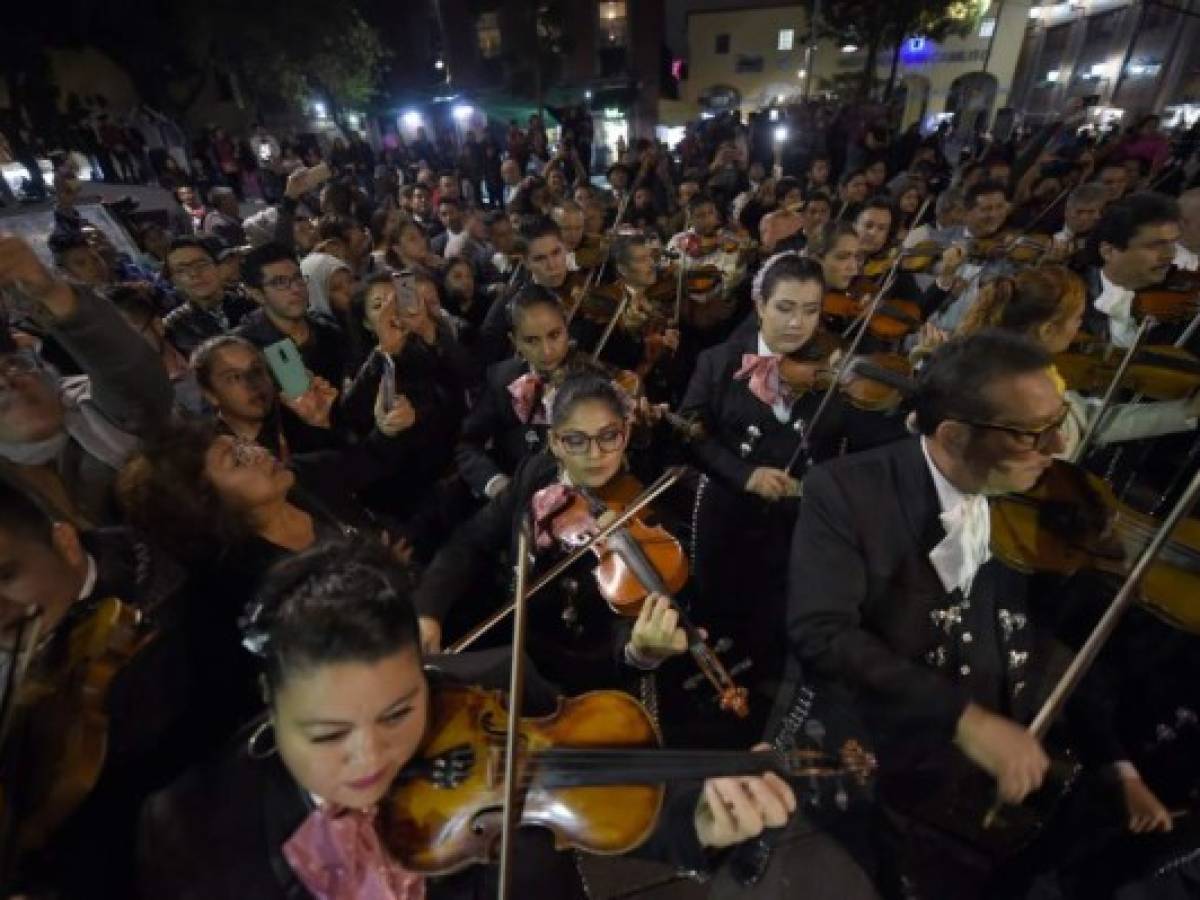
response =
{"points": [[810, 367], [1159, 373], [592, 772], [892, 320], [59, 729], [638, 560], [1071, 520], [1178, 297], [1021, 249], [878, 382]]}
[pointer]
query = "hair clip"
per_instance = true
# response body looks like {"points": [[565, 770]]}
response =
{"points": [[255, 636]]}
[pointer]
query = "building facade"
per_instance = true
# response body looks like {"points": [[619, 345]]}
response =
{"points": [[749, 58], [1126, 57]]}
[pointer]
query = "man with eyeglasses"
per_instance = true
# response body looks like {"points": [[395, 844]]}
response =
{"points": [[66, 438], [275, 281], [916, 637], [208, 310]]}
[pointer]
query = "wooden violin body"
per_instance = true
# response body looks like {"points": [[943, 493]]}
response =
{"points": [[1177, 298], [1071, 520], [1159, 373], [592, 773]]}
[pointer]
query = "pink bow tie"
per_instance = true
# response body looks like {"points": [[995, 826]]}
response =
{"points": [[525, 392], [547, 504], [337, 855], [763, 372]]}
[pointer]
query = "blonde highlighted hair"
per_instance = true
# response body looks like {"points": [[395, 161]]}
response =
{"points": [[1025, 301]]}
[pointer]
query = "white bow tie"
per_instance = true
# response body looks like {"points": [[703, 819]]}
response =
{"points": [[966, 546]]}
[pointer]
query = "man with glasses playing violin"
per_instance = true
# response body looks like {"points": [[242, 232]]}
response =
{"points": [[904, 623], [208, 309]]}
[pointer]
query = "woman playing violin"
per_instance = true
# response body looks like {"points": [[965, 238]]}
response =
{"points": [[1047, 303], [574, 638], [759, 442], [292, 809]]}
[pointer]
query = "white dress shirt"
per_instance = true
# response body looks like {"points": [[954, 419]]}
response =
{"points": [[966, 546], [1185, 259], [1116, 302]]}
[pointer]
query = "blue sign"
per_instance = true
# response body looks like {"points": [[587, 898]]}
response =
{"points": [[917, 50]]}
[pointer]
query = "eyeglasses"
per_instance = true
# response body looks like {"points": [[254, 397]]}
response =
{"points": [[283, 282], [1039, 439], [252, 375], [192, 269], [577, 443]]}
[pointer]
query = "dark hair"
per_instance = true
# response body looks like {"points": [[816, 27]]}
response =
{"points": [[954, 383], [62, 242], [204, 356], [338, 196], [785, 184], [699, 199], [1121, 220], [529, 297], [135, 299], [23, 514], [880, 202], [819, 195], [450, 201], [260, 257], [583, 387], [539, 227], [337, 602], [188, 242], [831, 232], [849, 175], [166, 495], [982, 189], [622, 247], [333, 225], [785, 267]]}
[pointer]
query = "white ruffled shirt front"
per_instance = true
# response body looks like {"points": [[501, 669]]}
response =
{"points": [[959, 556], [1116, 302]]}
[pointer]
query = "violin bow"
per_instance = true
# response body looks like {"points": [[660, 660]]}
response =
{"points": [[842, 366], [612, 325], [682, 277], [516, 690], [1111, 392], [1103, 630], [648, 496]]}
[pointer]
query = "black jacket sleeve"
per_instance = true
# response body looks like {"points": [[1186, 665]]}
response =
{"points": [[480, 427], [702, 400], [827, 593]]}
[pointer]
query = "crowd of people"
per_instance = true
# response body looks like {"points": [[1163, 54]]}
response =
{"points": [[263, 487]]}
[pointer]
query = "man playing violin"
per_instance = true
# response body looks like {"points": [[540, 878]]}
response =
{"points": [[706, 245], [643, 339], [52, 578], [568, 216], [965, 263], [788, 219], [1080, 215], [1137, 240]]}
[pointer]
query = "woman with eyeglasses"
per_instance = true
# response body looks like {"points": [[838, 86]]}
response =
{"points": [[1047, 304], [574, 638]]}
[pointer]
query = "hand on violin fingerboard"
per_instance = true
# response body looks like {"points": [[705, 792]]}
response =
{"points": [[733, 810]]}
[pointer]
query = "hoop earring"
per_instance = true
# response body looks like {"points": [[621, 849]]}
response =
{"points": [[252, 748]]}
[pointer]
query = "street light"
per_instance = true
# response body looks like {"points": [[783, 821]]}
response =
{"points": [[439, 65], [462, 112], [412, 119], [781, 134], [319, 110], [849, 48]]}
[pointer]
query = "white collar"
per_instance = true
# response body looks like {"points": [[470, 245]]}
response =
{"points": [[948, 495], [1116, 302], [1186, 259], [89, 580], [763, 349]]}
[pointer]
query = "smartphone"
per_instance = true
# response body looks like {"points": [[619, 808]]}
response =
{"points": [[288, 367], [387, 385]]}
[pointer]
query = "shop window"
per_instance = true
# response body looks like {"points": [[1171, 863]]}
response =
{"points": [[487, 29]]}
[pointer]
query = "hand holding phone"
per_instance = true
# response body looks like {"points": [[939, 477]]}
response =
{"points": [[286, 364]]}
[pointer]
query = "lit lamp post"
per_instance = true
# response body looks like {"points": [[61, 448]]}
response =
{"points": [[781, 136]]}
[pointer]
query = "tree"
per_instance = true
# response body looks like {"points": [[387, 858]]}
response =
{"points": [[872, 25]]}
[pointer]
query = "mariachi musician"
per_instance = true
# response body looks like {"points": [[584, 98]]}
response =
{"points": [[545, 264], [759, 440], [575, 640], [898, 613], [714, 259], [294, 808], [630, 323], [88, 737]]}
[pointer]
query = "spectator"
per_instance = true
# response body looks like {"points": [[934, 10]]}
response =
{"points": [[208, 310]]}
